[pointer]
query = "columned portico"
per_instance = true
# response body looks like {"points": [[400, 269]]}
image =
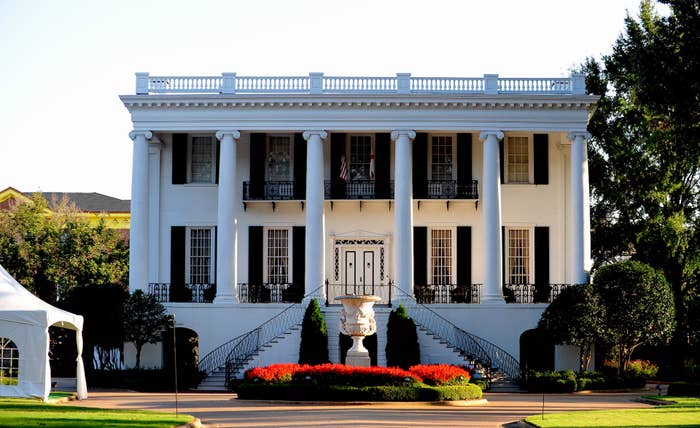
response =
{"points": [[403, 211], [580, 206], [315, 262], [138, 235], [491, 215], [226, 218]]}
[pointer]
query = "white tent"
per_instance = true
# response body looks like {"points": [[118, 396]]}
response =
{"points": [[25, 320]]}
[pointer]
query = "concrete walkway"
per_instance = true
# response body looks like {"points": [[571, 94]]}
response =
{"points": [[225, 410]]}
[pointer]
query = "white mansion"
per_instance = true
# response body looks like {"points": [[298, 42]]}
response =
{"points": [[465, 199]]}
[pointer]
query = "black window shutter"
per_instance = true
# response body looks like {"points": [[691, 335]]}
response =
{"points": [[501, 161], [179, 159], [256, 290], [540, 153], [464, 162], [420, 255], [382, 155], [299, 166], [420, 166], [257, 166], [507, 293], [464, 265], [542, 286], [218, 159], [298, 264], [177, 263], [337, 152]]}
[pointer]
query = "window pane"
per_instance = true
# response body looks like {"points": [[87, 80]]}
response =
{"points": [[518, 167], [201, 161], [518, 256], [200, 256], [441, 256], [279, 158], [277, 256], [441, 157], [9, 362], [360, 157]]}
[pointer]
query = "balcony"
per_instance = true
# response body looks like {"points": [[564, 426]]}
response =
{"points": [[335, 290], [532, 293], [450, 189], [269, 293], [447, 293], [357, 189], [187, 293], [270, 191]]}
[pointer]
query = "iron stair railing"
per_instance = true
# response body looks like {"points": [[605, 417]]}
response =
{"points": [[216, 359], [490, 356], [249, 343]]}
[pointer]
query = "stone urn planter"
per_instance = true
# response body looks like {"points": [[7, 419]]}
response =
{"points": [[357, 321]]}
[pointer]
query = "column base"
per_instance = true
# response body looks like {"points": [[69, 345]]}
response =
{"points": [[225, 298], [497, 300]]}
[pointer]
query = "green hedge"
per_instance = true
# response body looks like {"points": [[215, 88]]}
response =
{"points": [[570, 381], [684, 389], [300, 392]]}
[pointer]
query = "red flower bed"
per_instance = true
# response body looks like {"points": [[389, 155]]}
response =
{"points": [[274, 372], [441, 374]]}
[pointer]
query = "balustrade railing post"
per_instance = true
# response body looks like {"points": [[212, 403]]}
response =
{"points": [[403, 83], [578, 84], [228, 83], [316, 83], [491, 84], [142, 83]]}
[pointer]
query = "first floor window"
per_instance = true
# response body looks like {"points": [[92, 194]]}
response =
{"points": [[200, 266], [518, 159], [202, 160], [441, 256], [518, 256], [277, 256], [9, 362]]}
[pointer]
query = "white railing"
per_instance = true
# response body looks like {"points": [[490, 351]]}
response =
{"points": [[317, 83]]}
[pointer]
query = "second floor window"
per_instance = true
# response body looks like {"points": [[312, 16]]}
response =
{"points": [[199, 267], [518, 256], [517, 159], [202, 160], [441, 256], [279, 158], [277, 256], [441, 161], [361, 158]]}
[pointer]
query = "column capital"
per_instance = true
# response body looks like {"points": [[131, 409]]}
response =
{"points": [[495, 132], [321, 133], [399, 132], [155, 145], [223, 132], [136, 132], [575, 134]]}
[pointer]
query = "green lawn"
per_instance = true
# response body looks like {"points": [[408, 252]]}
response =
{"points": [[25, 412], [683, 412]]}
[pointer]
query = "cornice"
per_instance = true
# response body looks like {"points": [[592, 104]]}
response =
{"points": [[377, 102]]}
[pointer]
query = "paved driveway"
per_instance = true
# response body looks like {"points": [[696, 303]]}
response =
{"points": [[224, 410]]}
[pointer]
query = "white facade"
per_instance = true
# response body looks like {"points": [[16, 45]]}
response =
{"points": [[446, 188]]}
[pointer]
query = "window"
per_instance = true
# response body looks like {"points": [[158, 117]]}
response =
{"points": [[9, 362], [517, 159], [279, 158], [199, 267], [518, 256], [441, 158], [201, 152], [361, 158], [441, 252], [277, 256]]}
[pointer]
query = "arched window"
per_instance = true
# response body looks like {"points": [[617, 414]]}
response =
{"points": [[9, 362]]}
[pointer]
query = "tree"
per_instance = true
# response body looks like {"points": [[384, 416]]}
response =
{"points": [[313, 348], [644, 157], [638, 305], [402, 348], [144, 321], [576, 317]]}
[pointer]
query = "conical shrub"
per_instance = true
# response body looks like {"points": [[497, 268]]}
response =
{"points": [[314, 336], [402, 348]]}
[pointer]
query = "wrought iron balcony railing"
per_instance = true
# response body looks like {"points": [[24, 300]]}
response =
{"points": [[450, 189], [192, 293], [447, 293], [357, 189], [336, 290], [532, 293], [269, 191], [269, 293]]}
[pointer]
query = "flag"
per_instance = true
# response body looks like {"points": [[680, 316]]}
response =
{"points": [[343, 169], [371, 166]]}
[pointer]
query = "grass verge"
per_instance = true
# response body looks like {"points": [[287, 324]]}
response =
{"points": [[26, 412]]}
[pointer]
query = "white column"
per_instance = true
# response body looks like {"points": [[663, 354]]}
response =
{"points": [[580, 207], [491, 215], [315, 261], [138, 233], [403, 212], [154, 149], [226, 240]]}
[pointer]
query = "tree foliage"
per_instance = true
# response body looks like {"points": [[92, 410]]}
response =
{"points": [[313, 348], [402, 348], [638, 305], [50, 252], [144, 321], [576, 317], [644, 157]]}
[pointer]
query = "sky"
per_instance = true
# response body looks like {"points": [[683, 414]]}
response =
{"points": [[63, 64]]}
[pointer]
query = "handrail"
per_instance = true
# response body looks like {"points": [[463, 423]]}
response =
{"points": [[248, 343], [489, 355], [216, 358]]}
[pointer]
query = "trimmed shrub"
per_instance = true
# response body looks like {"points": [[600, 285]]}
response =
{"points": [[314, 336], [402, 348], [441, 374], [307, 392]]}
